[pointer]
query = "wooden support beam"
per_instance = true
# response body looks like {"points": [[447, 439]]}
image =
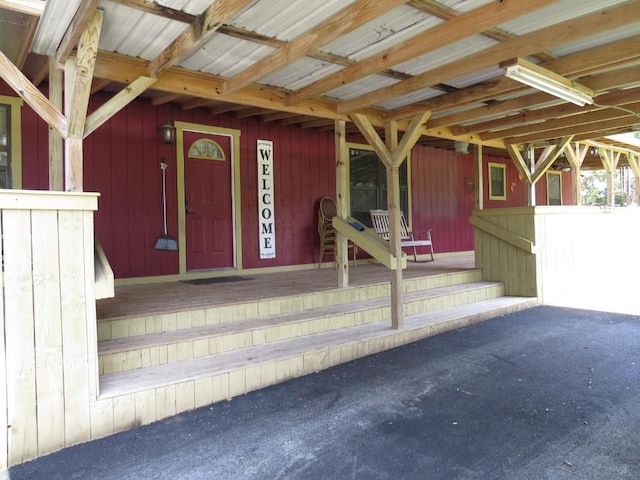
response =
{"points": [[576, 153], [166, 98], [522, 46], [56, 151], [196, 34], [393, 206], [409, 139], [117, 103], [342, 193], [451, 31], [160, 10], [634, 163], [99, 84], [369, 132], [550, 154], [78, 78], [479, 180], [81, 70], [519, 162], [610, 160], [346, 20], [76, 28], [32, 96]]}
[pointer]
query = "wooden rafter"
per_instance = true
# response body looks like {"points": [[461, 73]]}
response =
{"points": [[349, 18], [564, 32], [594, 115], [196, 34], [586, 62], [166, 98], [455, 29], [625, 121], [617, 98], [157, 9], [28, 7]]}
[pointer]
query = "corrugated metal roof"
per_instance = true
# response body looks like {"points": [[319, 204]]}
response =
{"points": [[224, 55], [555, 13], [131, 32], [450, 53], [286, 19], [263, 26], [380, 34]]}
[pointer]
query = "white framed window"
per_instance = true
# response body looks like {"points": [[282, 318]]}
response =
{"points": [[554, 188]]}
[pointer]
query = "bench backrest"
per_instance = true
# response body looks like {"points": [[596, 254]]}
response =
{"points": [[380, 221]]}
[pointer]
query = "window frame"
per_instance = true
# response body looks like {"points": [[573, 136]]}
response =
{"points": [[15, 139], [550, 175], [363, 146], [503, 168]]}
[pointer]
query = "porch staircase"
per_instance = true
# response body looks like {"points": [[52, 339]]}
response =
{"points": [[160, 365]]}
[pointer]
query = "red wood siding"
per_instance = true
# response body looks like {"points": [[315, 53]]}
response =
{"points": [[439, 198], [122, 162]]}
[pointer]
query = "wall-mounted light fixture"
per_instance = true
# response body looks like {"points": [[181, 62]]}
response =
{"points": [[168, 133], [548, 81]]}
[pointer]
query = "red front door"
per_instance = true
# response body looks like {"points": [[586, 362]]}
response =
{"points": [[208, 201]]}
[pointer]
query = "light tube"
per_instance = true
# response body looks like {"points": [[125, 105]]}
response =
{"points": [[547, 81]]}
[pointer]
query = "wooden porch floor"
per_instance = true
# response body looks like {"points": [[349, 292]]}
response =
{"points": [[137, 300]]}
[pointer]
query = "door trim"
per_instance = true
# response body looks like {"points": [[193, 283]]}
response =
{"points": [[234, 134]]}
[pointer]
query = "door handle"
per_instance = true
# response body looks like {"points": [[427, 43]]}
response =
{"points": [[189, 212]]}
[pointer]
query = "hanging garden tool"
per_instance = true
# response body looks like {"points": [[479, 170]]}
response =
{"points": [[166, 241]]}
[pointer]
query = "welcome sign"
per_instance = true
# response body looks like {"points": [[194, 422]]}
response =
{"points": [[266, 208]]}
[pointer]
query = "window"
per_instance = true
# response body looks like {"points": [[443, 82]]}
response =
{"points": [[5, 146], [10, 146], [554, 188], [497, 181], [368, 184]]}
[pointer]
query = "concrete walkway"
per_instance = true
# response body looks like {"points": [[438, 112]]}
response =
{"points": [[548, 393]]}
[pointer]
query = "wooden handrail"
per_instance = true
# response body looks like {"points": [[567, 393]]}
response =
{"points": [[370, 242], [504, 235]]}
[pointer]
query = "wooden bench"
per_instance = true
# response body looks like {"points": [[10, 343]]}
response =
{"points": [[380, 221]]}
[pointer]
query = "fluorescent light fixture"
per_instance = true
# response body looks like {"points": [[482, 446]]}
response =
{"points": [[548, 81]]}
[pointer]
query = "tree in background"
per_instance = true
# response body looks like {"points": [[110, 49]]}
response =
{"points": [[594, 187]]}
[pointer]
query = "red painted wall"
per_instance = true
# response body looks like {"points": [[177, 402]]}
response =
{"points": [[122, 162]]}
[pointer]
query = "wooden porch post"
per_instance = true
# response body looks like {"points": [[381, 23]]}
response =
{"points": [[576, 154], [393, 205], [392, 158], [78, 76], [342, 189], [634, 163], [55, 139], [479, 178], [610, 162]]}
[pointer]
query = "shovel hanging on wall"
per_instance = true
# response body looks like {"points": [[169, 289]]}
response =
{"points": [[166, 241]]}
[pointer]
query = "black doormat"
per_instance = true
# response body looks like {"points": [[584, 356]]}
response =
{"points": [[207, 281]]}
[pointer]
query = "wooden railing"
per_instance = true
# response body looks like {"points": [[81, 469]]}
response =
{"points": [[370, 242], [48, 347], [569, 256]]}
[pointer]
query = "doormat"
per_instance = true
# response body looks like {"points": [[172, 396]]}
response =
{"points": [[208, 281]]}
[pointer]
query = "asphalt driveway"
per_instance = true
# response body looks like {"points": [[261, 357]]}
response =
{"points": [[548, 393]]}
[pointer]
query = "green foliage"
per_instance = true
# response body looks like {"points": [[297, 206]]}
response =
{"points": [[594, 190]]}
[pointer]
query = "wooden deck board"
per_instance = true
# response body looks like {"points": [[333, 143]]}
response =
{"points": [[117, 384]]}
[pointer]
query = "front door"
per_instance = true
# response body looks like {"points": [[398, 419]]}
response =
{"points": [[208, 201]]}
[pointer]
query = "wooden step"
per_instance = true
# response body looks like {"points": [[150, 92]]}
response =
{"points": [[170, 314], [156, 349], [225, 375]]}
